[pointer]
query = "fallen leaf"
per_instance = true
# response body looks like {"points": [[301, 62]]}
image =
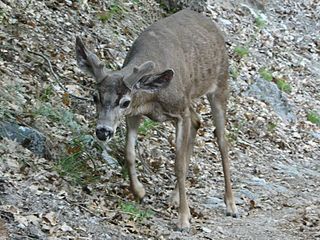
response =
{"points": [[51, 218]]}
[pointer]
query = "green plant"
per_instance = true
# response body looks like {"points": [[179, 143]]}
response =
{"points": [[46, 110], [76, 165], [265, 74], [3, 15], [313, 117], [135, 212], [114, 9], [125, 172], [260, 22], [76, 169], [234, 73], [271, 126], [82, 142], [46, 93], [58, 115], [241, 51], [147, 126], [233, 134], [283, 85]]}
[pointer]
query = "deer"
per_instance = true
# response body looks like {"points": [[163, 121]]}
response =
{"points": [[172, 62]]}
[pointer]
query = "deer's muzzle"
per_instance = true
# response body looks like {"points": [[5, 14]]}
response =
{"points": [[104, 133]]}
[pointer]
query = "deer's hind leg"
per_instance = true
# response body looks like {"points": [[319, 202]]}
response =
{"points": [[218, 103], [182, 143], [195, 124]]}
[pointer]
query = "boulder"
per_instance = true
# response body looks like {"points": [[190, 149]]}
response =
{"points": [[28, 137]]}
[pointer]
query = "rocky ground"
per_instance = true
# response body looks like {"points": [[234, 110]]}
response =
{"points": [[58, 182]]}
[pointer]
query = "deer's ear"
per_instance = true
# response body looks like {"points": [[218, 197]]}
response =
{"points": [[88, 61], [155, 82]]}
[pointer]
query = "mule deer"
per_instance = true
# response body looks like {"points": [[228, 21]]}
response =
{"points": [[172, 62]]}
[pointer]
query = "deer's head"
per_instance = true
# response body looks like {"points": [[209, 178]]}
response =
{"points": [[115, 89]]}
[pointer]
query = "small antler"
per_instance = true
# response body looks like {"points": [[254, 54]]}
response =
{"points": [[138, 73], [89, 62]]}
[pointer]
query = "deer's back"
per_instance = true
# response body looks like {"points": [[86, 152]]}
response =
{"points": [[193, 46]]}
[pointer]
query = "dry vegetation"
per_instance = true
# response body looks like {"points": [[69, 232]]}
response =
{"points": [[79, 192]]}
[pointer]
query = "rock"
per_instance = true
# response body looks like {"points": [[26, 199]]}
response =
{"points": [[225, 22], [173, 5], [214, 202], [316, 135], [247, 193], [269, 93], [27, 137]]}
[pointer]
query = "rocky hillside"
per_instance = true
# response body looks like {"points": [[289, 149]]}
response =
{"points": [[58, 182]]}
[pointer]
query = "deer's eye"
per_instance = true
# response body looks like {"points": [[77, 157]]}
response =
{"points": [[95, 98], [125, 103]]}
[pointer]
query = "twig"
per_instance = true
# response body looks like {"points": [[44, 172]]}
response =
{"points": [[51, 70], [98, 214], [56, 77], [82, 207], [82, 86]]}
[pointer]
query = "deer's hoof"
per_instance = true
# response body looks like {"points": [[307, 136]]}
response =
{"points": [[234, 215], [183, 226], [232, 211], [138, 191]]}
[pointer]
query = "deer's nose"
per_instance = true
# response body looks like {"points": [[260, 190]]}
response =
{"points": [[104, 133]]}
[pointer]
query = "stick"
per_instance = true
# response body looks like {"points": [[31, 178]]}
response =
{"points": [[57, 78]]}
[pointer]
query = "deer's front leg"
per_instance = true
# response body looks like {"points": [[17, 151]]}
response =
{"points": [[182, 140], [132, 129]]}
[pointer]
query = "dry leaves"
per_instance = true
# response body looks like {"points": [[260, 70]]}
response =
{"points": [[274, 163]]}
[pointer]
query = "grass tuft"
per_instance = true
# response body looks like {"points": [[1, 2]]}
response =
{"points": [[234, 73], [78, 166], [114, 10], [260, 22], [147, 126], [135, 212], [313, 117], [265, 74], [283, 86], [241, 51]]}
